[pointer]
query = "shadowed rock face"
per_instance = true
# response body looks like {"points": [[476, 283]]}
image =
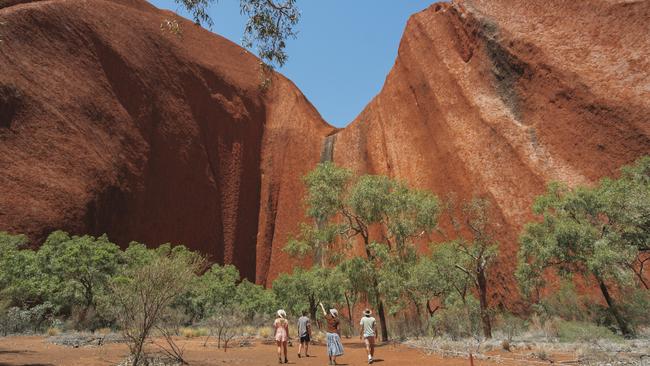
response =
{"points": [[110, 124]]}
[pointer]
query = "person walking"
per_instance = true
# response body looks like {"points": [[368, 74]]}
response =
{"points": [[281, 333], [368, 332], [304, 332], [334, 345]]}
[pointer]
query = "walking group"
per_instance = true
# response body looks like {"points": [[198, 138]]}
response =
{"points": [[368, 331]]}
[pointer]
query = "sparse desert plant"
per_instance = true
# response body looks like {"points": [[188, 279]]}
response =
{"points": [[542, 355], [172, 26], [510, 325], [505, 344], [225, 324], [51, 332], [144, 293]]}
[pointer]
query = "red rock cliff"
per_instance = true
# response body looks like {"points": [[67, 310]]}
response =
{"points": [[108, 124], [497, 98]]}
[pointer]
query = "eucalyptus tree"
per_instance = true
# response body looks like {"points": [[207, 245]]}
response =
{"points": [[382, 215], [463, 263], [270, 23], [601, 233]]}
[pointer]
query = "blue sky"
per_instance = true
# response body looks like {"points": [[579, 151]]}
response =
{"points": [[344, 49]]}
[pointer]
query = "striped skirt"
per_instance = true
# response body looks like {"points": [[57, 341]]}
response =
{"points": [[334, 345]]}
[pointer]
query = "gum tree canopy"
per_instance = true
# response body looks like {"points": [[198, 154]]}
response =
{"points": [[382, 215], [601, 232], [270, 23]]}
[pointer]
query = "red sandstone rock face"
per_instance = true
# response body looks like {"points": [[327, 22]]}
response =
{"points": [[497, 98], [108, 124]]}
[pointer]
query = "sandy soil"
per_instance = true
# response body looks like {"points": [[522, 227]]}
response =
{"points": [[37, 351]]}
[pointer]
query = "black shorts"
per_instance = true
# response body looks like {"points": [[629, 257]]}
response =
{"points": [[305, 339]]}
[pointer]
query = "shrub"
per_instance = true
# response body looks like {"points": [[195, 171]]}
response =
{"points": [[17, 320], [564, 303], [458, 319], [636, 307], [510, 325], [569, 331], [144, 293], [225, 324], [51, 332]]}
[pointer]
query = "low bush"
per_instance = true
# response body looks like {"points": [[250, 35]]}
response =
{"points": [[458, 319], [17, 320], [510, 325], [570, 331]]}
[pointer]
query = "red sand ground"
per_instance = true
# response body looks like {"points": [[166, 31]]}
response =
{"points": [[36, 351]]}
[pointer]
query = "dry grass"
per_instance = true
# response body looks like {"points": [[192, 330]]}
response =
{"points": [[53, 332], [264, 332], [103, 331], [194, 332]]}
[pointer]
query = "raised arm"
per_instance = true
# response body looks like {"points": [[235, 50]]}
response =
{"points": [[322, 307]]}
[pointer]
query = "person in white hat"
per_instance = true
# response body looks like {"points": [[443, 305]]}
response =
{"points": [[368, 332], [334, 345], [281, 333]]}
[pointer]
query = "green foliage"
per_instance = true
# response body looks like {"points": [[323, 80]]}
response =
{"points": [[79, 267], [635, 307], [304, 289], [564, 303], [593, 231], [142, 295], [22, 283], [254, 299], [571, 331], [464, 263], [345, 209], [405, 213], [270, 23], [510, 325], [19, 320], [326, 188], [459, 318], [199, 10]]}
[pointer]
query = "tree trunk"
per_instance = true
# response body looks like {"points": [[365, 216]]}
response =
{"points": [[622, 324], [137, 351], [313, 307], [418, 316], [485, 316], [347, 302], [430, 310], [382, 319]]}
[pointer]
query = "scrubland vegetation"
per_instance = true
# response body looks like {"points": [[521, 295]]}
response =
{"points": [[363, 241]]}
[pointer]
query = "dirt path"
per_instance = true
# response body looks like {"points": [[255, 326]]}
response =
{"points": [[37, 351]]}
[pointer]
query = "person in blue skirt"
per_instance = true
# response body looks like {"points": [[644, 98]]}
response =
{"points": [[334, 345]]}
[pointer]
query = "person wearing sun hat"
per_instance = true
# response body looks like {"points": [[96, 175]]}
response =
{"points": [[281, 333], [368, 332], [334, 345]]}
